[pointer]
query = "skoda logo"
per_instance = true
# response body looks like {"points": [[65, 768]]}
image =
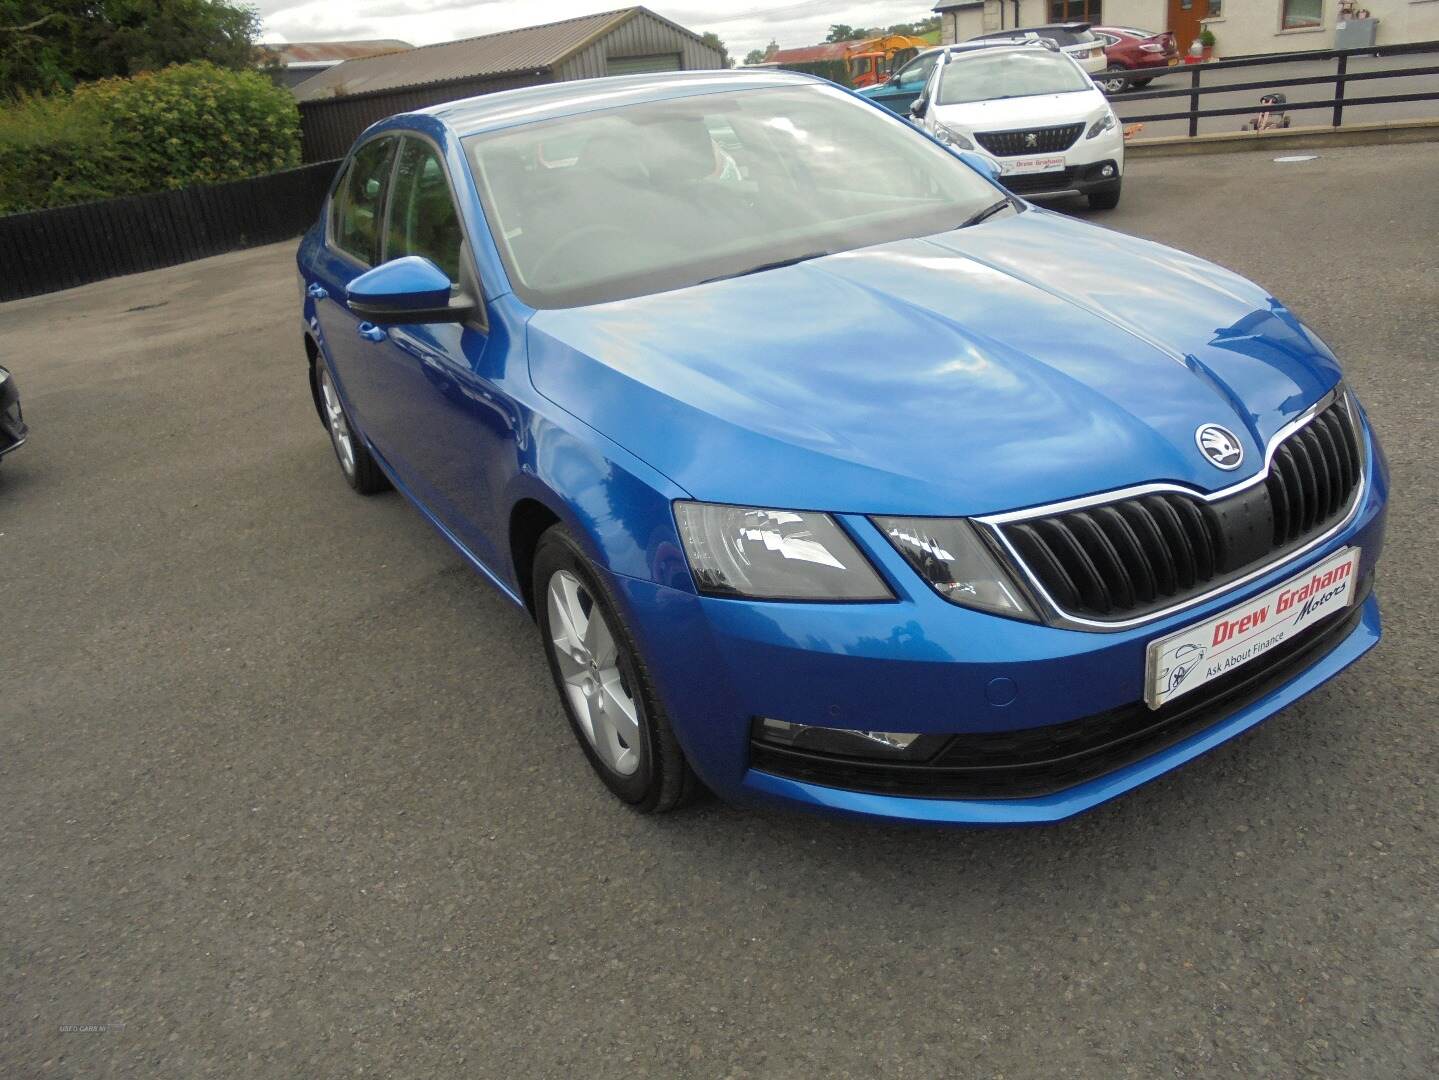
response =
{"points": [[1220, 446], [1031, 139]]}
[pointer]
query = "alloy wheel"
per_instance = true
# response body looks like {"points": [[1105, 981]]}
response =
{"points": [[1112, 83], [598, 692], [335, 419]]}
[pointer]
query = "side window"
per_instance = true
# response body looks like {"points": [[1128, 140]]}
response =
{"points": [[917, 73], [423, 219], [360, 200]]}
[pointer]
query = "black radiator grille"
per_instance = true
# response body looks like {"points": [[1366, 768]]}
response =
{"points": [[1047, 140], [1132, 556]]}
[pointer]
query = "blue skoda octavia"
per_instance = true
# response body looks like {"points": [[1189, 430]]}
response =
{"points": [[877, 491]]}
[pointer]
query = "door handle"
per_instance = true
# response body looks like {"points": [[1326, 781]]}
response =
{"points": [[317, 292], [370, 332]]}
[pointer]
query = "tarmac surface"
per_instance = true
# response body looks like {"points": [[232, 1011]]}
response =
{"points": [[285, 790]]}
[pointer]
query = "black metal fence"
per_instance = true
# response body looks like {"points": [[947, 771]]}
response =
{"points": [[1341, 79], [329, 125], [46, 250]]}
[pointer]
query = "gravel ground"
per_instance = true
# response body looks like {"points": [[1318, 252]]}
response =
{"points": [[284, 790]]}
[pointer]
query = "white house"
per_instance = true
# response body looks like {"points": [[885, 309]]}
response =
{"points": [[1241, 27]]}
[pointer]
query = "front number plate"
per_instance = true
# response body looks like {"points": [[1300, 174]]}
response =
{"points": [[1187, 660], [1031, 165]]}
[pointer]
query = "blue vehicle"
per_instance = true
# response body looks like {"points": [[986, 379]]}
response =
{"points": [[885, 495], [905, 84]]}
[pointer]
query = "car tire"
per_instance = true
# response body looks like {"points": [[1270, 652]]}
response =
{"points": [[607, 694], [1104, 200], [1113, 80], [357, 465]]}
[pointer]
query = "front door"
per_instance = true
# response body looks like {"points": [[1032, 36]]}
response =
{"points": [[444, 419], [1184, 16]]}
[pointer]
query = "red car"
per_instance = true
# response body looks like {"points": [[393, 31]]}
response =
{"points": [[1129, 50]]}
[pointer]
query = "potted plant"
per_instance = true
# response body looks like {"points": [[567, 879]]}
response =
{"points": [[1206, 42]]}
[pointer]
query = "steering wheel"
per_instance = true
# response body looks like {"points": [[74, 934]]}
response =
{"points": [[568, 241]]}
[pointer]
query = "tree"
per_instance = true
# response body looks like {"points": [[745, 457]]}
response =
{"points": [[842, 32], [710, 38], [754, 56], [54, 44]]}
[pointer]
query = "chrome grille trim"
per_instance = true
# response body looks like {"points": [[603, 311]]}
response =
{"points": [[1056, 615]]}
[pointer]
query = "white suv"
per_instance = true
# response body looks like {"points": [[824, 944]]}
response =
{"points": [[1035, 112]]}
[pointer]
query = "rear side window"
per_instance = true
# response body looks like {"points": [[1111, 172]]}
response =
{"points": [[360, 201], [423, 218]]}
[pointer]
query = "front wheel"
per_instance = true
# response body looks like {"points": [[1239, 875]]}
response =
{"points": [[1104, 200], [1113, 80], [608, 697]]}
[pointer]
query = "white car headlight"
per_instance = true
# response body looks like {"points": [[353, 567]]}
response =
{"points": [[1103, 124], [947, 135], [745, 551], [957, 564]]}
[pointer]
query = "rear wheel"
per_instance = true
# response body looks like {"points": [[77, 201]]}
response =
{"points": [[1104, 200], [608, 697], [358, 467], [1113, 80]]}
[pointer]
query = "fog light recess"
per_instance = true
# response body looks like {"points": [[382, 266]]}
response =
{"points": [[847, 742]]}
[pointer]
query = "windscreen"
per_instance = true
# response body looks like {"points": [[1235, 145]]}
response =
{"points": [[662, 195], [1021, 73]]}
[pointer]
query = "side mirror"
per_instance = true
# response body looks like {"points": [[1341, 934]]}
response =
{"points": [[918, 108], [407, 290], [982, 164]]}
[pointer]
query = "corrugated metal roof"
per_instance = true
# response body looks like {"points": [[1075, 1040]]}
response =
{"points": [[530, 48], [308, 52]]}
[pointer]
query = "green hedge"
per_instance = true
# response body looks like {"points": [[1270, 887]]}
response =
{"points": [[836, 71], [188, 124]]}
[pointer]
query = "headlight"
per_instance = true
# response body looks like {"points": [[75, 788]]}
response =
{"points": [[1151, 48], [773, 555], [952, 557], [1103, 124], [950, 137]]}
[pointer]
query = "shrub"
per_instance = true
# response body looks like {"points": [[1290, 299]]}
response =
{"points": [[188, 124]]}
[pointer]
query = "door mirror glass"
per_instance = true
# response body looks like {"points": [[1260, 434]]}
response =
{"points": [[408, 290]]}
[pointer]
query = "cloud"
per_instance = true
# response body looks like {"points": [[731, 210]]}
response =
{"points": [[743, 24]]}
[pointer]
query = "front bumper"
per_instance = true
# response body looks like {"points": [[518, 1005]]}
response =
{"points": [[1074, 180], [920, 664], [1084, 166]]}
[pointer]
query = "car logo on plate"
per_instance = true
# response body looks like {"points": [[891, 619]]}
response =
{"points": [[1031, 139], [1220, 446]]}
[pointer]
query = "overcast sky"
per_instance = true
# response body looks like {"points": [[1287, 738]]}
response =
{"points": [[742, 24]]}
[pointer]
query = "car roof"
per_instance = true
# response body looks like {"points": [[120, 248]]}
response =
{"points": [[1072, 28], [986, 48], [530, 104]]}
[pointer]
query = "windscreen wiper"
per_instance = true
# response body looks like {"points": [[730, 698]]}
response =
{"points": [[987, 213], [770, 266]]}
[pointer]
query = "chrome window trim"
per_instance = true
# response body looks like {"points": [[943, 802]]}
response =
{"points": [[1055, 615]]}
